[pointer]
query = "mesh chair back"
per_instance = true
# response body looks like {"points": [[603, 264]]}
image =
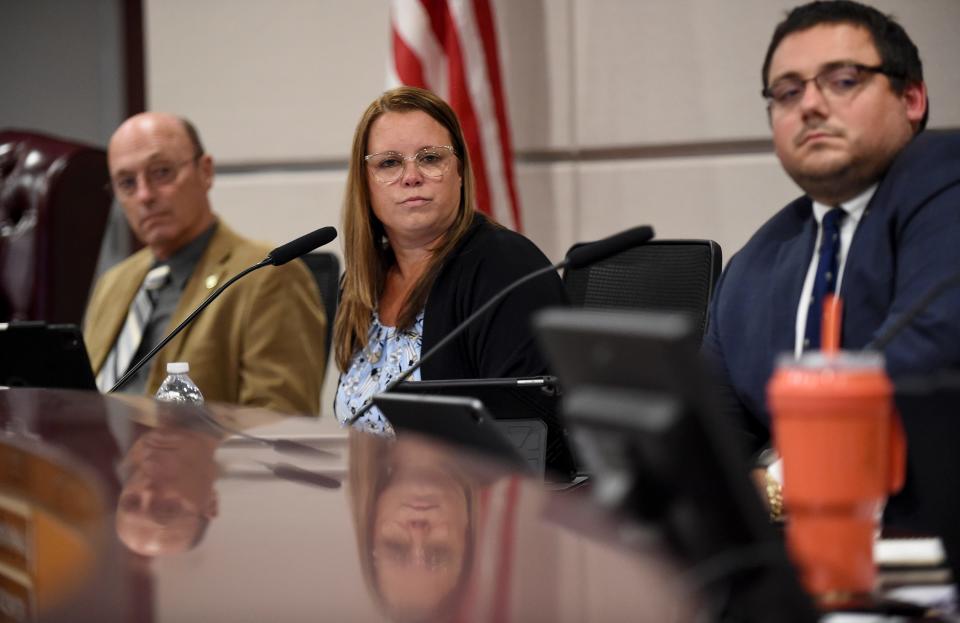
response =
{"points": [[661, 275], [325, 268]]}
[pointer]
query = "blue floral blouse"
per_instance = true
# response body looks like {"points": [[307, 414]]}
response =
{"points": [[388, 353]]}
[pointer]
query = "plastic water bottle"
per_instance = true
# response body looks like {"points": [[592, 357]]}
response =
{"points": [[178, 386]]}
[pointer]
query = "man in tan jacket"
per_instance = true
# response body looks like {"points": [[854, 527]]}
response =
{"points": [[260, 343]]}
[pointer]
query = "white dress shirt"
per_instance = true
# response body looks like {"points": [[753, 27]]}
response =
{"points": [[854, 209]]}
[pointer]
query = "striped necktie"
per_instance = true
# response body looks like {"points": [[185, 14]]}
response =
{"points": [[128, 341], [825, 281]]}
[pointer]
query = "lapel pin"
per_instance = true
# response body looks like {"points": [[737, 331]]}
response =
{"points": [[211, 281]]}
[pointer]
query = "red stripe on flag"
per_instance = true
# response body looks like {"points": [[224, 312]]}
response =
{"points": [[459, 100], [437, 11], [408, 65], [488, 35], [412, 70]]}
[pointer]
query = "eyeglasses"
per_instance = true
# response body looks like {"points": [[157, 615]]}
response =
{"points": [[157, 174], [837, 80], [161, 509], [436, 557], [433, 162]]}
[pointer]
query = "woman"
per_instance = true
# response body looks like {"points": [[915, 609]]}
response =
{"points": [[420, 259]]}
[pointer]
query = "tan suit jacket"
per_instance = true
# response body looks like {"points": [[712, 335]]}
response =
{"points": [[261, 343]]}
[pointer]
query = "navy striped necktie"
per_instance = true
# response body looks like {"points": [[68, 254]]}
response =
{"points": [[825, 281]]}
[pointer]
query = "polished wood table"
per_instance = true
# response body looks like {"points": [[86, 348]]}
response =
{"points": [[125, 509]]}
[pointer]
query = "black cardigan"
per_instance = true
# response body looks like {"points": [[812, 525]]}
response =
{"points": [[500, 343]]}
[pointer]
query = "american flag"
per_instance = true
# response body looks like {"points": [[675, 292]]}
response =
{"points": [[450, 48]]}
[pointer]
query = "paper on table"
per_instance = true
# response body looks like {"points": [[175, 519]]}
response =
{"points": [[908, 552]]}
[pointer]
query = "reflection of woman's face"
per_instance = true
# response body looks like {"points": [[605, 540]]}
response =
{"points": [[419, 531]]}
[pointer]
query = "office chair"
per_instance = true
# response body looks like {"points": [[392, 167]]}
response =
{"points": [[54, 205], [661, 275], [325, 268]]}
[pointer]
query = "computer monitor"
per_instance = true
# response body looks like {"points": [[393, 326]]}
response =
{"points": [[640, 412], [36, 354], [930, 502]]}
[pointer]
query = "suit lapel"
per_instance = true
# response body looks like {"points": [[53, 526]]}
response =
{"points": [[209, 273], [120, 292], [790, 270]]}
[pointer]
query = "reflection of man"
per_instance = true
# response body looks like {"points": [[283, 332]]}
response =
{"points": [[880, 219], [168, 497], [260, 343]]}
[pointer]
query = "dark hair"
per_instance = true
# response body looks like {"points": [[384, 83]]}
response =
{"points": [[898, 53], [194, 137]]}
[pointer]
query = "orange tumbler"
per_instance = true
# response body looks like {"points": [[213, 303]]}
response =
{"points": [[843, 452]]}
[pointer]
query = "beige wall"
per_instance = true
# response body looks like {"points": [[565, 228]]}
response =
{"points": [[623, 111]]}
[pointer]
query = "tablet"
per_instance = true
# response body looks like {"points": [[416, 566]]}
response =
{"points": [[519, 401], [37, 354], [458, 420]]}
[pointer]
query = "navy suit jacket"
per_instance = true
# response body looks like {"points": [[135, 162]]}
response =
{"points": [[907, 241]]}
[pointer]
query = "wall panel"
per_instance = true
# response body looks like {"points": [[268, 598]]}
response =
{"points": [[621, 91], [688, 71], [723, 198], [267, 81], [278, 206]]}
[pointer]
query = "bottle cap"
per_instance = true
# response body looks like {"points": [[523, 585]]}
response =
{"points": [[178, 367]]}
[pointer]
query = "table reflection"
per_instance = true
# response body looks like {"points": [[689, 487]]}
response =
{"points": [[415, 512], [168, 497], [221, 513]]}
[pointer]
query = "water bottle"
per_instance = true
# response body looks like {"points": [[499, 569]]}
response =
{"points": [[178, 386]]}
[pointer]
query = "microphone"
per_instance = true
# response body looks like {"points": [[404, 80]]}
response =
{"points": [[301, 246], [881, 341], [579, 257], [592, 252], [281, 255]]}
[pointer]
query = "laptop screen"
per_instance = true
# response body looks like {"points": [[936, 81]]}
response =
{"points": [[514, 399], [36, 354]]}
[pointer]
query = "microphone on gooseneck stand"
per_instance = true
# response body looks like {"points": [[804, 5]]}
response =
{"points": [[279, 256], [592, 252], [579, 257], [300, 246]]}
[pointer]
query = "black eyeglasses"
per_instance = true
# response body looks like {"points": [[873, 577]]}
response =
{"points": [[837, 80]]}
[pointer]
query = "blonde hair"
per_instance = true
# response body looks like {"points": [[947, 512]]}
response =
{"points": [[366, 255]]}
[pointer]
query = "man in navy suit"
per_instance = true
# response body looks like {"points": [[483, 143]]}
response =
{"points": [[847, 106]]}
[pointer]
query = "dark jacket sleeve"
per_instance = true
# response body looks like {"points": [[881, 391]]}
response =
{"points": [[928, 256], [500, 343], [752, 435]]}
